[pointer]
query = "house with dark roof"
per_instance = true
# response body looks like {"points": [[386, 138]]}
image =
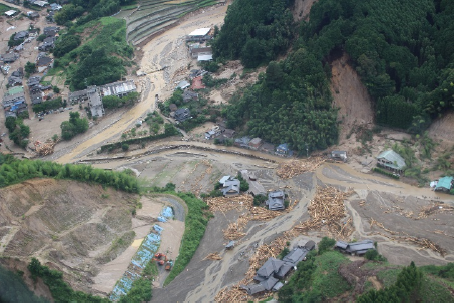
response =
{"points": [[254, 289], [231, 187], [268, 148], [189, 95], [36, 96], [32, 15], [95, 101], [13, 81], [51, 31], [271, 267], [43, 63], [33, 81], [47, 44], [9, 58], [173, 107], [21, 35], [276, 200], [355, 248], [182, 114], [391, 160]]}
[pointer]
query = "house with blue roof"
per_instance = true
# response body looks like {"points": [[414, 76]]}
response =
{"points": [[284, 150], [444, 184]]}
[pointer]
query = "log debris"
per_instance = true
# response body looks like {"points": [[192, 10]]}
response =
{"points": [[296, 167]]}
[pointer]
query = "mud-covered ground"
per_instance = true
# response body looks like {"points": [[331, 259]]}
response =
{"points": [[394, 204]]}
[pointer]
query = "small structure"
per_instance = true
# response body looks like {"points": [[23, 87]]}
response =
{"points": [[230, 245], [254, 289], [182, 114], [255, 187], [119, 89], [10, 13], [276, 200], [183, 84], [355, 248], [284, 150], [32, 15], [228, 133], [214, 132], [173, 107], [255, 143], [391, 160], [444, 184], [55, 7], [339, 155], [189, 95], [197, 83]]}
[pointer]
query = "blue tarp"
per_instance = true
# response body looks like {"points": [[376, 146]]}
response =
{"points": [[162, 219], [167, 212], [144, 255], [158, 228]]}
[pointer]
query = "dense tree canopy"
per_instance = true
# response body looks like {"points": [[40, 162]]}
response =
{"points": [[401, 49], [74, 126], [255, 31], [65, 44]]}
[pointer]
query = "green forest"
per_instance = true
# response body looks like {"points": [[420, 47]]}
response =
{"points": [[402, 51], [14, 171], [98, 59]]}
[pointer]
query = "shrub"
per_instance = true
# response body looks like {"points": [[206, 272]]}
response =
{"points": [[325, 245], [259, 199], [386, 173], [124, 147]]}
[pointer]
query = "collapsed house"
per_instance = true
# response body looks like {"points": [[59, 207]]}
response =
{"points": [[355, 248]]}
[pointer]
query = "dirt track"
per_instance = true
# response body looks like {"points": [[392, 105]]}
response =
{"points": [[164, 60]]}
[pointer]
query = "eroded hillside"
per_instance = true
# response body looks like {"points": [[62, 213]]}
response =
{"points": [[69, 224]]}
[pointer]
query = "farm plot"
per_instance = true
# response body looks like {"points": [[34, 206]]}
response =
{"points": [[154, 15]]}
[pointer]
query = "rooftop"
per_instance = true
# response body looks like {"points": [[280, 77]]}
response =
{"points": [[394, 159], [444, 183], [200, 31]]}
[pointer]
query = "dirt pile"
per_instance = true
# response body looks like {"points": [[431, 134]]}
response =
{"points": [[67, 225]]}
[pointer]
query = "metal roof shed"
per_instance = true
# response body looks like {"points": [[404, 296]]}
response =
{"points": [[10, 13], [200, 31], [392, 160], [444, 184]]}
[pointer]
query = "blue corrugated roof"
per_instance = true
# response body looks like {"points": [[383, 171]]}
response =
{"points": [[445, 183]]}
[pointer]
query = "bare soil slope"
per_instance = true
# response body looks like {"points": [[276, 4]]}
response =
{"points": [[441, 129], [302, 9], [67, 225], [350, 96]]}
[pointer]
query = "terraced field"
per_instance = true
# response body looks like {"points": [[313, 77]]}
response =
{"points": [[152, 16]]}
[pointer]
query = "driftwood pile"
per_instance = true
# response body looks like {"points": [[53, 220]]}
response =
{"points": [[241, 203], [421, 242], [296, 167], [435, 208], [213, 257], [327, 211], [46, 148]]}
